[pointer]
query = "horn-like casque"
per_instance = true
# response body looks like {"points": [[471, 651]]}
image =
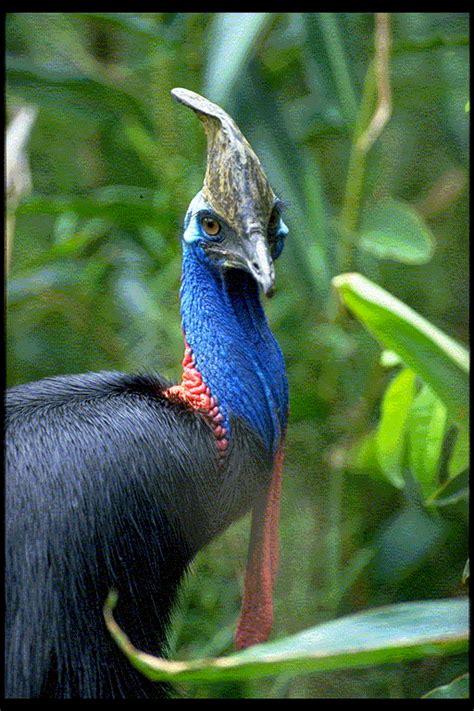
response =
{"points": [[235, 185]]}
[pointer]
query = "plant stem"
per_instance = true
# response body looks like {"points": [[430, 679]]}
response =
{"points": [[355, 174], [369, 125]]}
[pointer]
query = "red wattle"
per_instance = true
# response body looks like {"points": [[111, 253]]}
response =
{"points": [[256, 616], [194, 392]]}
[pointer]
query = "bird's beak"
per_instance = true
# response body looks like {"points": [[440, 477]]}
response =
{"points": [[250, 253], [259, 262]]}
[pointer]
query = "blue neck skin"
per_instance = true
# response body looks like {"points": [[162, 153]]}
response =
{"points": [[233, 347]]}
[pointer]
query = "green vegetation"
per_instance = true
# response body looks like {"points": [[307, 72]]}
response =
{"points": [[362, 125]]}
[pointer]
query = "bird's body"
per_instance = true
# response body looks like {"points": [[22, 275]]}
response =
{"points": [[116, 481], [115, 502]]}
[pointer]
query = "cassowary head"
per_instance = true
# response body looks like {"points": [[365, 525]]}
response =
{"points": [[235, 219]]}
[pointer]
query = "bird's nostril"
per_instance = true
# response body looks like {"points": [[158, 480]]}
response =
{"points": [[256, 266]]}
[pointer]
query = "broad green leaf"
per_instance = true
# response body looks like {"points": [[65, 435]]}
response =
{"points": [[426, 429], [459, 459], [441, 362], [394, 230], [384, 635], [457, 689], [234, 35], [390, 438]]}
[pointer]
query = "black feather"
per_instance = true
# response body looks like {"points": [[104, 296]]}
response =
{"points": [[115, 499]]}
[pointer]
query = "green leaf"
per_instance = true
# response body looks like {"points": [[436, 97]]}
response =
{"points": [[383, 635], [394, 230], [457, 689], [436, 358], [390, 438], [234, 35], [451, 491], [409, 537], [338, 62], [426, 429], [459, 459]]}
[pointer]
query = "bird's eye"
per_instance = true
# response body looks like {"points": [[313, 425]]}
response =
{"points": [[210, 226], [274, 221]]}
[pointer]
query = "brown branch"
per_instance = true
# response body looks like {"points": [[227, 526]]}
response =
{"points": [[383, 110]]}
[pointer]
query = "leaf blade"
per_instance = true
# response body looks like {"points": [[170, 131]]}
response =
{"points": [[439, 360], [394, 230], [234, 35], [459, 459], [390, 438], [426, 430], [383, 635]]}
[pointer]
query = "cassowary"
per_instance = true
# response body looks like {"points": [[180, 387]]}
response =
{"points": [[115, 481]]}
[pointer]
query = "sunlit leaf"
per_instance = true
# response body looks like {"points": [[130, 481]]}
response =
{"points": [[390, 438], [382, 635], [362, 456], [459, 459], [435, 357], [426, 429]]}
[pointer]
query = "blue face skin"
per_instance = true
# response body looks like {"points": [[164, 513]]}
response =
{"points": [[225, 325]]}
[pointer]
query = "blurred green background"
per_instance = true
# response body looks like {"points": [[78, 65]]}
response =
{"points": [[95, 266]]}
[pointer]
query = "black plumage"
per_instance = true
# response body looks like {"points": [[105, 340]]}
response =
{"points": [[98, 517]]}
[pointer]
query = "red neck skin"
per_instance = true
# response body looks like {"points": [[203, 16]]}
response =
{"points": [[256, 616], [194, 391]]}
